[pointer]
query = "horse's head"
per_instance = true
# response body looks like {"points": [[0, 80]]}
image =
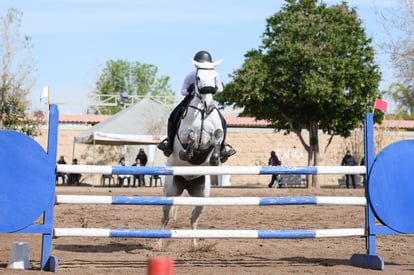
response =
{"points": [[205, 84]]}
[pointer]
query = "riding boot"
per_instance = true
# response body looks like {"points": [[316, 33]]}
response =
{"points": [[167, 144], [165, 147]]}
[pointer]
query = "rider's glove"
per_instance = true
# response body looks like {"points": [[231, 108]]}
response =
{"points": [[215, 90], [190, 89]]}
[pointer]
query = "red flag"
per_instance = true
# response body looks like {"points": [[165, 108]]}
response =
{"points": [[380, 105]]}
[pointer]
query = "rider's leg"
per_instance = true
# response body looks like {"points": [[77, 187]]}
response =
{"points": [[225, 154], [167, 144]]}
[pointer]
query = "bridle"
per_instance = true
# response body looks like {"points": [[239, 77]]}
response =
{"points": [[199, 92], [202, 106]]}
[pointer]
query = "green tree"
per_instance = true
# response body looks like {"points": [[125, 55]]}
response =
{"points": [[398, 24], [403, 96], [133, 78], [16, 82], [314, 71], [401, 43]]}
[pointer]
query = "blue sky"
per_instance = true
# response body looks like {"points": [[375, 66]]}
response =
{"points": [[73, 39]]}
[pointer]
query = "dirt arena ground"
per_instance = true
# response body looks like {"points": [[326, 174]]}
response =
{"points": [[214, 256]]}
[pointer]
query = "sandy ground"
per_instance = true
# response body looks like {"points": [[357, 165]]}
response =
{"points": [[214, 256]]}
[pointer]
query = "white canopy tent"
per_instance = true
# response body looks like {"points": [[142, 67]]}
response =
{"points": [[143, 123]]}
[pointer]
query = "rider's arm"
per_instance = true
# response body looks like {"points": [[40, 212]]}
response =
{"points": [[188, 80], [219, 85]]}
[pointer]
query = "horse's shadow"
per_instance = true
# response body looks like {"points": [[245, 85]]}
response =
{"points": [[316, 261], [106, 248]]}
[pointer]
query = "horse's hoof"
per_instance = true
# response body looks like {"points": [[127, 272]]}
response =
{"points": [[191, 136], [183, 155], [214, 160], [218, 134], [194, 245], [158, 246]]}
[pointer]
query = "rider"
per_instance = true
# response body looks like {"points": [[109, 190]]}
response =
{"points": [[187, 90]]}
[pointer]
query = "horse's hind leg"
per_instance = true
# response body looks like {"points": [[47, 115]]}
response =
{"points": [[199, 187], [174, 213], [171, 189], [195, 215], [165, 216], [216, 140], [164, 221]]}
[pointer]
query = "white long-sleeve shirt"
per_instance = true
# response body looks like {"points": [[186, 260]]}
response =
{"points": [[206, 75]]}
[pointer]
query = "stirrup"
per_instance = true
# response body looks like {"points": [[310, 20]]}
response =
{"points": [[225, 154], [230, 151], [163, 144]]}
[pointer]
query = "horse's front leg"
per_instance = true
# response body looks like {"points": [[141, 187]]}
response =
{"points": [[188, 153], [216, 140]]}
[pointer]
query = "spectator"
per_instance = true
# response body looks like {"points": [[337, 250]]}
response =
{"points": [[142, 157], [61, 175], [143, 162], [362, 163], [349, 160], [121, 178], [138, 177], [273, 161], [74, 179]]}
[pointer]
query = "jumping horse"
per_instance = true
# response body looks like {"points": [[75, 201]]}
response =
{"points": [[197, 142]]}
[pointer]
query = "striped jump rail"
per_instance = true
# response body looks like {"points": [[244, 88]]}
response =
{"points": [[210, 201], [210, 170], [208, 234]]}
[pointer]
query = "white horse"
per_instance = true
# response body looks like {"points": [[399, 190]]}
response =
{"points": [[197, 142]]}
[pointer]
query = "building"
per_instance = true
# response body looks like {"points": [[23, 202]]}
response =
{"points": [[252, 139]]}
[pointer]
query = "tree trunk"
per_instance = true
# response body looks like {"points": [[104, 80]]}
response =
{"points": [[313, 153]]}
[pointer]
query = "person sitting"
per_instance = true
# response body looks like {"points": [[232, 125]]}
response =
{"points": [[61, 175], [121, 178], [139, 177], [74, 179], [187, 90]]}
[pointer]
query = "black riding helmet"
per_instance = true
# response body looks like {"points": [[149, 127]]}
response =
{"points": [[203, 56]]}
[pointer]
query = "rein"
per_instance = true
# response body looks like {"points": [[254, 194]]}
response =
{"points": [[204, 114], [202, 110]]}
